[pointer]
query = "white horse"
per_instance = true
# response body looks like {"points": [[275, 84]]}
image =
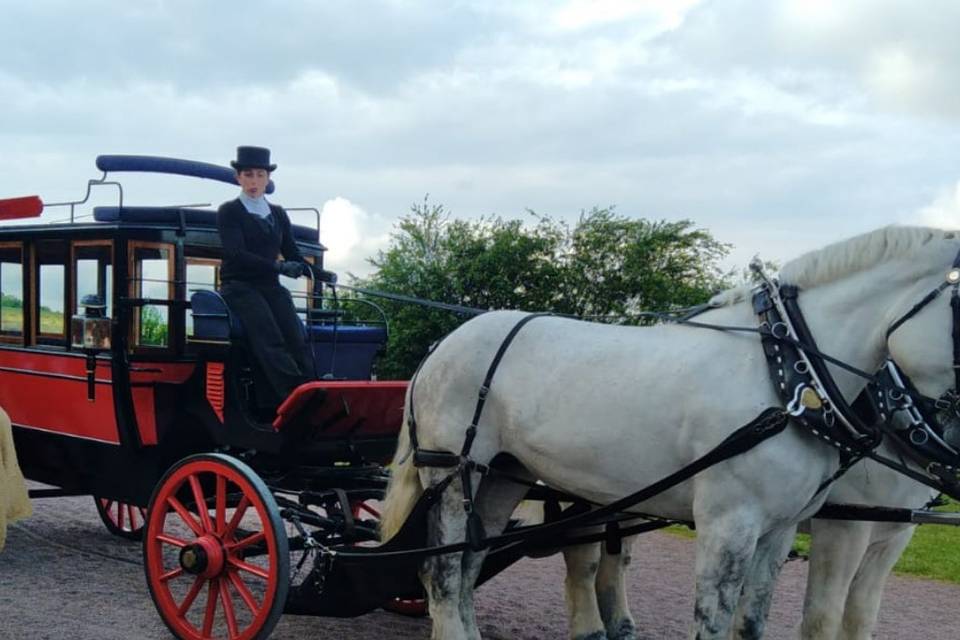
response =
{"points": [[601, 411], [14, 502], [850, 562]]}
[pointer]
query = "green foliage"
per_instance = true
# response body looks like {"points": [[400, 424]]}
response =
{"points": [[605, 265], [928, 553], [153, 327], [11, 301]]}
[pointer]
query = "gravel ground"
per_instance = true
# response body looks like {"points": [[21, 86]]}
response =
{"points": [[64, 577]]}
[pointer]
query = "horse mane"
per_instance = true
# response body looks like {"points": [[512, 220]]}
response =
{"points": [[844, 258], [856, 254]]}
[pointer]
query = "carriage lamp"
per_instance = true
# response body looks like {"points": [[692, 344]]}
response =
{"points": [[90, 332]]}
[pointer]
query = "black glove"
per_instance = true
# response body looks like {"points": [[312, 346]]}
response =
{"points": [[290, 268]]}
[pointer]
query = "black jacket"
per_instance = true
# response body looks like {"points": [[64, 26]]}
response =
{"points": [[251, 244]]}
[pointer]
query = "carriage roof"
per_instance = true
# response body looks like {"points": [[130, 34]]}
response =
{"points": [[180, 219]]}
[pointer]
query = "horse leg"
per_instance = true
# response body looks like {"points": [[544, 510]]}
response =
{"points": [[579, 586], [863, 599], [495, 502], [760, 581], [725, 548], [612, 591], [441, 575], [836, 550]]}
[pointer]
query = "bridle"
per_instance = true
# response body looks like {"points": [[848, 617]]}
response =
{"points": [[920, 433], [807, 388]]}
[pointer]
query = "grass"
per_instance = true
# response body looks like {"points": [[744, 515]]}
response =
{"points": [[933, 553], [50, 321]]}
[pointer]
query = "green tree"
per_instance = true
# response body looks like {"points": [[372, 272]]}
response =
{"points": [[605, 265]]}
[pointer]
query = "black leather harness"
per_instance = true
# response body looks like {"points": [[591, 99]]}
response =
{"points": [[800, 375]]}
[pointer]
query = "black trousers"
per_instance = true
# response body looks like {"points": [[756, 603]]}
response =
{"points": [[274, 334]]}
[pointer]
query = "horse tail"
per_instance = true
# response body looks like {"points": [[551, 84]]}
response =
{"points": [[403, 491]]}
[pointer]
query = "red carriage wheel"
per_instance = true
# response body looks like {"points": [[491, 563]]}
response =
{"points": [[121, 518], [369, 510], [215, 551]]}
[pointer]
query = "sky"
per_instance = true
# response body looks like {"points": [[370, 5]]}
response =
{"points": [[778, 125]]}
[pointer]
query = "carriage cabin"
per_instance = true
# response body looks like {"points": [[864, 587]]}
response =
{"points": [[118, 357]]}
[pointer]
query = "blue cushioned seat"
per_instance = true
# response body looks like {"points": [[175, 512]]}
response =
{"points": [[212, 319]]}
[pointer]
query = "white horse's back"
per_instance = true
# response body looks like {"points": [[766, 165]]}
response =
{"points": [[578, 403]]}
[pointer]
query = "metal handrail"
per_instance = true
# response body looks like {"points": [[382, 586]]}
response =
{"points": [[90, 184], [314, 209]]}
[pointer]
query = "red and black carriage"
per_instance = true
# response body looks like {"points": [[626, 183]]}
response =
{"points": [[125, 377]]}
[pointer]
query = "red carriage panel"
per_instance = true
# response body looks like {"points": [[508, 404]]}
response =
{"points": [[142, 378], [48, 392]]}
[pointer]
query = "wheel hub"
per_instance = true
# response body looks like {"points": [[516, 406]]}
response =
{"points": [[205, 557]]}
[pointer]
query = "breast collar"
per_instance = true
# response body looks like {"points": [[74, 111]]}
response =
{"points": [[914, 422]]}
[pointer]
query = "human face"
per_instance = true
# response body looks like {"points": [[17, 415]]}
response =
{"points": [[253, 181]]}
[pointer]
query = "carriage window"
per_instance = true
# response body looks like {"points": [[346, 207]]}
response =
{"points": [[201, 274], [11, 293], [51, 293], [152, 277], [93, 274]]}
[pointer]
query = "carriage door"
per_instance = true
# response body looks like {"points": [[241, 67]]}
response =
{"points": [[156, 369]]}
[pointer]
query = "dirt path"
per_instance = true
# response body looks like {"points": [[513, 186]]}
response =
{"points": [[63, 577]]}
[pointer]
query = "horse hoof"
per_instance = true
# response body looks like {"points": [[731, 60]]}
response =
{"points": [[625, 630]]}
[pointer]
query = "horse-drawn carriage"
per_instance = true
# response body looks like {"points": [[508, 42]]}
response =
{"points": [[126, 378]]}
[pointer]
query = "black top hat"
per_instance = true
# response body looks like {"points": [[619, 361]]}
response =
{"points": [[252, 158]]}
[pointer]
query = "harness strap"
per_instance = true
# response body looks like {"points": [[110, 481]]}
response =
{"points": [[955, 307], [863, 436], [488, 380], [768, 424], [927, 299]]}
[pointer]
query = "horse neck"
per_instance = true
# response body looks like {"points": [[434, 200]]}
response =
{"points": [[849, 317]]}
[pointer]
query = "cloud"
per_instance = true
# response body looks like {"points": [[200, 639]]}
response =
{"points": [[350, 235], [791, 118], [943, 212]]}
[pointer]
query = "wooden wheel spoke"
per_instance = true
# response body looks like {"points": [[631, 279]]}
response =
{"points": [[253, 569], [221, 503], [170, 575], [119, 518], [238, 514], [228, 610], [210, 613], [201, 503], [363, 506], [132, 517], [171, 540], [185, 515], [244, 592], [191, 597], [248, 541]]}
